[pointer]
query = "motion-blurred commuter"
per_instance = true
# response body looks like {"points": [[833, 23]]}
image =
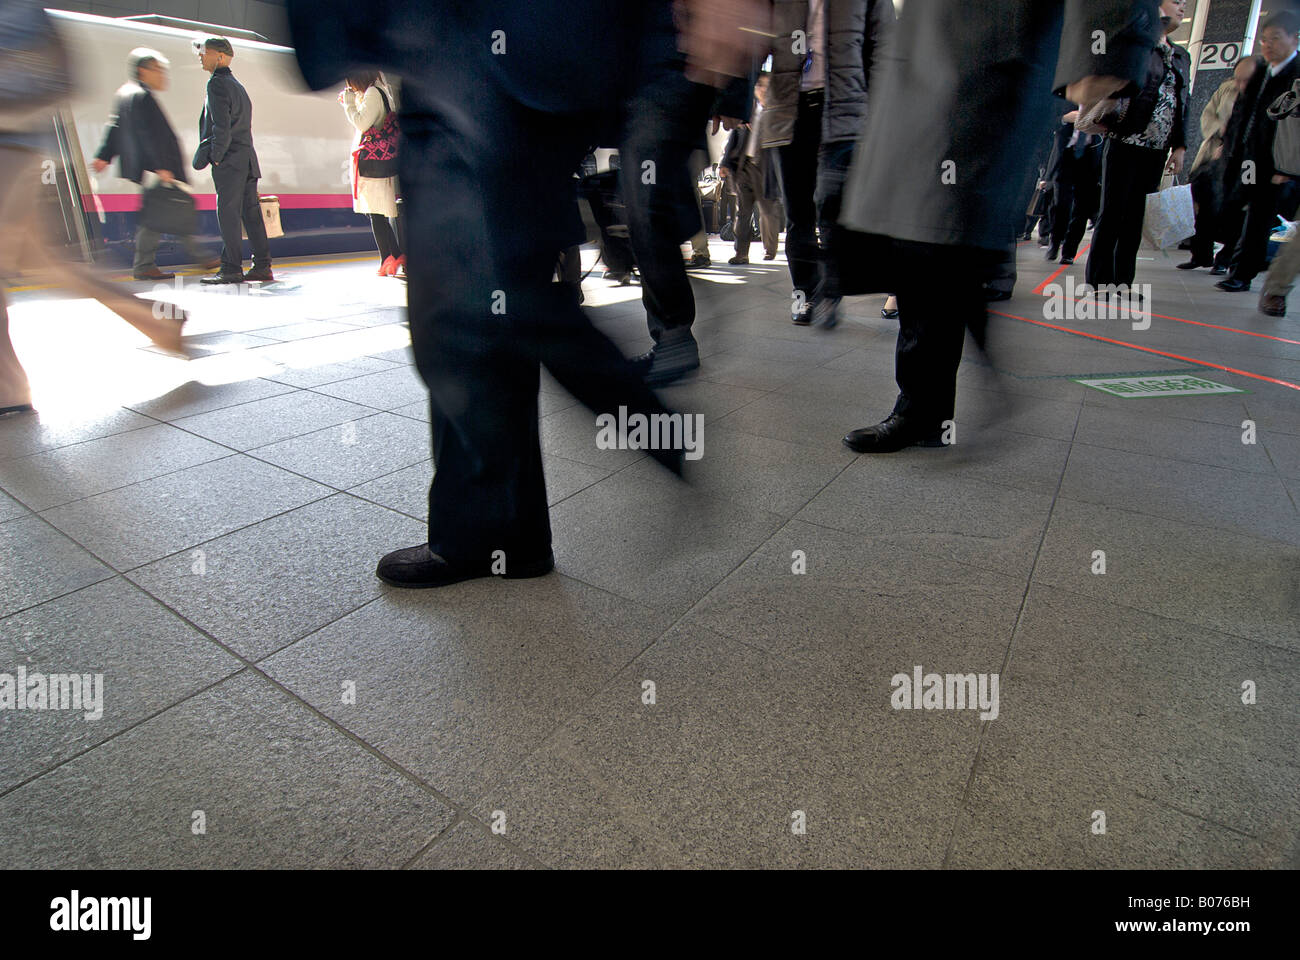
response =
{"points": [[1074, 170], [1253, 188], [226, 142], [1148, 141], [755, 182], [822, 62], [369, 109], [1206, 174], [1286, 162], [666, 124], [142, 140], [936, 193], [490, 140], [30, 95]]}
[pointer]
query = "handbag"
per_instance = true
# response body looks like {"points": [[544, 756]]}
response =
{"points": [[1170, 217], [376, 154], [167, 208]]}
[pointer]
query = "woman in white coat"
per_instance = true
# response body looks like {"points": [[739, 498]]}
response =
{"points": [[367, 103]]}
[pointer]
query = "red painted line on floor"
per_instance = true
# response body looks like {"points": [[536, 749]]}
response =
{"points": [[1163, 353], [1215, 326], [1061, 269]]}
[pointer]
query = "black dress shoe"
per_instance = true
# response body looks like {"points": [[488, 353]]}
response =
{"points": [[1193, 264], [889, 314], [1233, 286], [802, 317], [737, 261], [673, 357], [1218, 270], [1052, 252], [993, 296], [769, 256], [16, 408], [260, 275], [154, 274], [419, 568], [1067, 260], [892, 434], [223, 278]]}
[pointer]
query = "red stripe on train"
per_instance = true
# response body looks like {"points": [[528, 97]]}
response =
{"points": [[130, 202]]}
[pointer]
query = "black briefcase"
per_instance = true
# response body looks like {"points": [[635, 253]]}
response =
{"points": [[169, 209]]}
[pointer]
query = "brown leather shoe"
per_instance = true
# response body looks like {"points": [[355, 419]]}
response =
{"points": [[1272, 306], [154, 274]]}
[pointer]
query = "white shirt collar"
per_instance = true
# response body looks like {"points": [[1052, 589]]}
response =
{"points": [[1274, 71]]}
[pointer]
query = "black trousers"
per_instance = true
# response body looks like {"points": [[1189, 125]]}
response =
{"points": [[1128, 174], [385, 238], [1207, 194], [1251, 252], [237, 201], [799, 159], [665, 126], [488, 200], [940, 297]]}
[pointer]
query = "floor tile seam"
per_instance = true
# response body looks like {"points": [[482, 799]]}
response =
{"points": [[225, 406], [76, 443], [1195, 816], [125, 730], [1134, 608], [231, 451], [464, 818], [333, 492], [981, 740]]}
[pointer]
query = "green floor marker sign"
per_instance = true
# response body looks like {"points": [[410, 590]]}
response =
{"points": [[1175, 385]]}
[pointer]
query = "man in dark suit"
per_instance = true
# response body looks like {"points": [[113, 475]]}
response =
{"points": [[935, 186], [500, 101], [1074, 173], [1250, 177], [226, 142], [140, 137], [748, 169]]}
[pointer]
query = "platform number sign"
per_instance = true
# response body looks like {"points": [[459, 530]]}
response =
{"points": [[1219, 56]]}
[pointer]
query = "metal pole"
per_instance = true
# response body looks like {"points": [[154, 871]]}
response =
{"points": [[1199, 18], [1252, 22]]}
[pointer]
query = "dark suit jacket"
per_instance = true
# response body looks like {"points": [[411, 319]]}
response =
{"points": [[139, 136], [226, 124], [1239, 144], [943, 155]]}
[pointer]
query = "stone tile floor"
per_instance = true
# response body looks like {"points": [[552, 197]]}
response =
{"points": [[203, 534]]}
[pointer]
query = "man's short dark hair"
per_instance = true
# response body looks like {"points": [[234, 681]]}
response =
{"points": [[1285, 20], [219, 44]]}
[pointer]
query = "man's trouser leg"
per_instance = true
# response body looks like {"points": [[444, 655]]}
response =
{"points": [[1084, 208], [146, 249], [1204, 196], [1282, 271], [932, 324], [1061, 209], [230, 180], [747, 187], [255, 226], [832, 169], [1252, 247], [799, 189], [475, 226], [664, 124]]}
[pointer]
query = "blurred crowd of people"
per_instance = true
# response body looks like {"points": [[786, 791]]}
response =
{"points": [[886, 174]]}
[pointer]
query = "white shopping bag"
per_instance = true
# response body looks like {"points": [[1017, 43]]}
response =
{"points": [[1170, 218]]}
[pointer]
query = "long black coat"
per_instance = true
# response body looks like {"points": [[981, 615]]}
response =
{"points": [[944, 152], [1259, 95], [226, 124], [139, 136]]}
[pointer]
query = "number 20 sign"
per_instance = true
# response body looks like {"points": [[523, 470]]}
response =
{"points": [[1219, 56]]}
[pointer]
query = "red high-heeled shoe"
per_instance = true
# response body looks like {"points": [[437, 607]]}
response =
{"points": [[398, 264], [387, 268]]}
